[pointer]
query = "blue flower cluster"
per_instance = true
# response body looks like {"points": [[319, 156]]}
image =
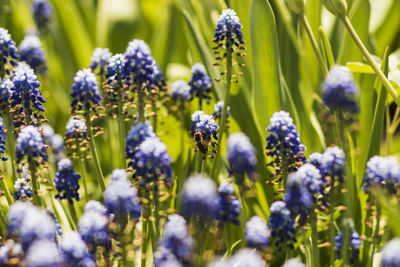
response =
{"points": [[121, 199], [2, 140], [8, 50], [30, 223], [42, 11], [66, 181], [228, 29], [384, 172], [136, 135], [180, 90], [85, 92], [244, 257], [43, 253], [205, 125], [218, 109], [115, 67], [331, 163], [152, 162], [30, 144], [200, 84], [22, 189], [74, 251], [176, 242], [93, 226], [355, 245], [25, 92], [198, 199], [241, 157], [281, 225], [100, 59], [139, 64], [227, 205], [283, 142], [297, 197], [339, 91], [32, 53], [391, 253], [257, 233], [5, 93], [76, 128]]}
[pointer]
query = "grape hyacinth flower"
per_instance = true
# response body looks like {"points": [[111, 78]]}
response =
{"points": [[257, 233], [297, 197], [121, 199], [355, 245], [180, 91], [67, 181], [311, 178], [16, 215], [391, 253], [8, 51], [85, 92], [198, 199], [42, 12], [10, 251], [30, 145], [100, 59], [93, 229], [294, 262], [115, 67], [281, 225], [76, 128], [95, 206], [218, 108], [204, 129], [384, 172], [332, 163], [26, 96], [241, 157], [152, 162], [139, 64], [5, 93], [119, 174], [43, 253], [227, 205], [35, 224], [2, 140], [200, 84], [115, 91], [74, 250], [176, 240], [32, 53], [339, 91], [228, 30], [283, 143], [136, 135], [22, 189]]}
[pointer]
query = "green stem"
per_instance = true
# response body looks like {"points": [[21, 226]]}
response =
{"points": [[3, 222], [4, 187], [332, 197], [92, 145], [314, 44], [82, 170], [375, 237], [35, 184], [204, 164], [156, 213], [314, 239], [386, 83], [140, 103], [225, 108], [154, 108], [74, 216], [11, 144], [122, 240], [121, 129], [144, 237]]}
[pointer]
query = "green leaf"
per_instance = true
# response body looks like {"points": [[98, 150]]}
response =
{"points": [[264, 45], [326, 48], [358, 67]]}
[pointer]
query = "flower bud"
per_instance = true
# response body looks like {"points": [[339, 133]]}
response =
{"points": [[297, 6], [337, 7]]}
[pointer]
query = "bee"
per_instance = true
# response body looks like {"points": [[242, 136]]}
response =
{"points": [[201, 143]]}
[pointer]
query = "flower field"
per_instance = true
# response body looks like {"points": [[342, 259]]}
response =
{"points": [[210, 133]]}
